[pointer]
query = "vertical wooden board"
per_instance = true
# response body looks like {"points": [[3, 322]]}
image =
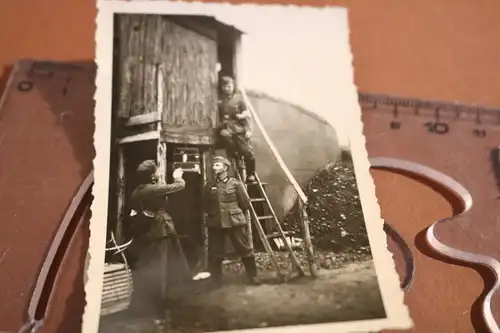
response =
{"points": [[205, 167], [190, 61], [152, 41], [121, 58], [162, 162], [140, 83], [120, 195], [128, 60], [131, 58], [167, 60]]}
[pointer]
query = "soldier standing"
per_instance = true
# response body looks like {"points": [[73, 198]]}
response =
{"points": [[152, 229], [236, 128], [225, 202]]}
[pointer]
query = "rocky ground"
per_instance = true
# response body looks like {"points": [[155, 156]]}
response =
{"points": [[346, 289]]}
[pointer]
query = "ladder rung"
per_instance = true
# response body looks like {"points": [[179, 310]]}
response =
{"points": [[255, 184], [265, 217], [257, 199], [277, 234]]}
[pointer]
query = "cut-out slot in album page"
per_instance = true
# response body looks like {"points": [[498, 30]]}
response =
{"points": [[232, 185]]}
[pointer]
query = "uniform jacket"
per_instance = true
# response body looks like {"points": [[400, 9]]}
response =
{"points": [[150, 202], [225, 203], [153, 197], [229, 107]]}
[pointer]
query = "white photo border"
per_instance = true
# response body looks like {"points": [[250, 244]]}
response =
{"points": [[388, 280]]}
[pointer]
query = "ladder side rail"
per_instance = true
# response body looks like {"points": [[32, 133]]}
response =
{"points": [[302, 198], [273, 149], [288, 247], [263, 236], [265, 242], [308, 247]]}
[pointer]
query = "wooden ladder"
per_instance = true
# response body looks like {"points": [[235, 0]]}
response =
{"points": [[260, 196]]}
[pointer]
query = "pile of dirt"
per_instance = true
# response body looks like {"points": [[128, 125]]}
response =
{"points": [[335, 215]]}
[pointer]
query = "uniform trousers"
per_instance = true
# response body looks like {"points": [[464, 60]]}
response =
{"points": [[239, 238]]}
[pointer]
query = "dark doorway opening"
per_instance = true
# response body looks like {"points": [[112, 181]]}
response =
{"points": [[226, 57], [185, 206]]}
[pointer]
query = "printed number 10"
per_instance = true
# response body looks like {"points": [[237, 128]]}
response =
{"points": [[438, 128]]}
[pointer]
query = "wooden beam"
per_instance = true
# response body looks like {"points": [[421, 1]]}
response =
{"points": [[151, 135], [161, 146], [120, 205], [309, 249], [204, 166], [142, 119]]}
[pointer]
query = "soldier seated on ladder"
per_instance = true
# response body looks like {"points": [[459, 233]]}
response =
{"points": [[225, 202], [152, 228], [236, 127]]}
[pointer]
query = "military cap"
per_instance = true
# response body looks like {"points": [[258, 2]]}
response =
{"points": [[146, 167], [223, 160], [226, 80]]}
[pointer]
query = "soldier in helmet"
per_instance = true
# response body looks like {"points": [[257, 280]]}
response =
{"points": [[152, 229], [225, 202], [236, 127]]}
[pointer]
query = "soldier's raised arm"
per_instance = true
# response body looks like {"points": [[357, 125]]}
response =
{"points": [[242, 196], [165, 189], [177, 185]]}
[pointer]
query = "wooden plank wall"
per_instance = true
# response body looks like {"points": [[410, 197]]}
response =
{"points": [[188, 60]]}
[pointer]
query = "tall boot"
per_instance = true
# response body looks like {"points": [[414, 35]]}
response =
{"points": [[251, 269], [215, 270], [250, 166]]}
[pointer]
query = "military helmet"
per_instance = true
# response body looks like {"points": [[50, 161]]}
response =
{"points": [[147, 167], [227, 80], [223, 160]]}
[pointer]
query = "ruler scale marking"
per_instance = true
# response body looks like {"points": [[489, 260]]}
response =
{"points": [[459, 141]]}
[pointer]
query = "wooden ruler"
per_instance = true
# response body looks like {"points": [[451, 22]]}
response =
{"points": [[46, 153], [453, 148]]}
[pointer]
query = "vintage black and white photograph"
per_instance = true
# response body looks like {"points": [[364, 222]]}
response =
{"points": [[232, 186]]}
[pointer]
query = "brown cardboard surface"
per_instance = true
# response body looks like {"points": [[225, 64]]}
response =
{"points": [[47, 152], [445, 50]]}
